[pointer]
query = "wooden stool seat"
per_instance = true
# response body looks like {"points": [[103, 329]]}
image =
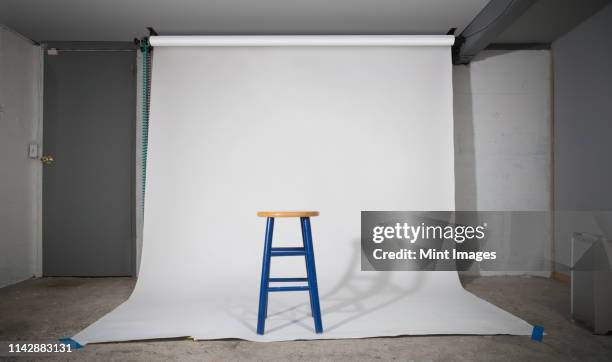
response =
{"points": [[287, 213]]}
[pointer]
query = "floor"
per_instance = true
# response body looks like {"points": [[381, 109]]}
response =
{"points": [[49, 308]]}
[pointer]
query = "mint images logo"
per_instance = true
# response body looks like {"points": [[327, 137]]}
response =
{"points": [[411, 233], [412, 240]]}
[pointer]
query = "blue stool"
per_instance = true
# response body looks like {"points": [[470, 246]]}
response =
{"points": [[306, 251]]}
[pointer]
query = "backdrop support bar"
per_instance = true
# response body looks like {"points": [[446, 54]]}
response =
{"points": [[303, 40]]}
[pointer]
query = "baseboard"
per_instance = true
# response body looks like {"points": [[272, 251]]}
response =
{"points": [[563, 278]]}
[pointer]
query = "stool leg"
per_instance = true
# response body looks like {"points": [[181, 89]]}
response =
{"points": [[312, 274], [265, 277], [306, 262]]}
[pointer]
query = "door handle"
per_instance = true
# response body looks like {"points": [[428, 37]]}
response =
{"points": [[47, 160]]}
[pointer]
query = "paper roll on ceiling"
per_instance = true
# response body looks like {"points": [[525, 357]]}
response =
{"points": [[235, 129], [303, 40]]}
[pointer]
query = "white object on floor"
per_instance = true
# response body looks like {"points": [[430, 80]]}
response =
{"points": [[237, 129], [591, 280]]}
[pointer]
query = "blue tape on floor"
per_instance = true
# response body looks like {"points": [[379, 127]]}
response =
{"points": [[537, 333], [71, 342]]}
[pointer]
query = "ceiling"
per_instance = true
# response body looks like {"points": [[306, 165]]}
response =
{"points": [[117, 20], [123, 20], [547, 20]]}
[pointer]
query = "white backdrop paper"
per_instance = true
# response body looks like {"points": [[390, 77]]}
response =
{"points": [[340, 129]]}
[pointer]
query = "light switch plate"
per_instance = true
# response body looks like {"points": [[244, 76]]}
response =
{"points": [[33, 150]]}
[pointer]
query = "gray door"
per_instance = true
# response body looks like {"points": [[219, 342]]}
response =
{"points": [[88, 187]]}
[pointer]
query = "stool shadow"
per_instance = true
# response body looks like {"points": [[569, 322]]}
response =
{"points": [[349, 284], [249, 319]]}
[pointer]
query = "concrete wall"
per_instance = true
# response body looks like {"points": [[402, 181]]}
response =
{"points": [[20, 176], [583, 130], [502, 151]]}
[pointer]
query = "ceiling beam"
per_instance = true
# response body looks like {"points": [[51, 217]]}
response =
{"points": [[486, 26]]}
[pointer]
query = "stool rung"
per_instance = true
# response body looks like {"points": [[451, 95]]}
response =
{"points": [[289, 251], [287, 289], [288, 279]]}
